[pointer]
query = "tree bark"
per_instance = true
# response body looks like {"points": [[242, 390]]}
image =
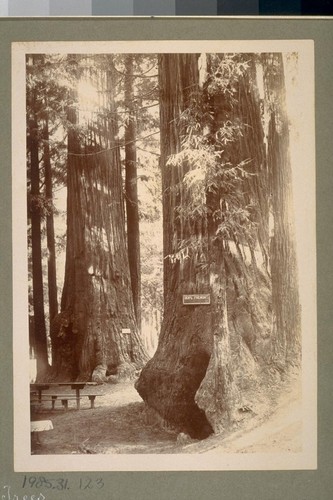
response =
{"points": [[216, 394], [131, 190], [240, 308], [170, 380], [96, 330], [285, 298], [51, 261], [37, 272], [196, 342]]}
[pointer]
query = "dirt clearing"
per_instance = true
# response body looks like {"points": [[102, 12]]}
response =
{"points": [[119, 424]]}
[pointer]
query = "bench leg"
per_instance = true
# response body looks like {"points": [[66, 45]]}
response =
{"points": [[77, 399], [65, 404], [53, 401], [92, 401]]}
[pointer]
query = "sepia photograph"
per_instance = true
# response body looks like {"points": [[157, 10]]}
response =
{"points": [[164, 255]]}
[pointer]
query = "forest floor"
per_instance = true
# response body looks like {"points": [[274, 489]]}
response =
{"points": [[119, 424]]}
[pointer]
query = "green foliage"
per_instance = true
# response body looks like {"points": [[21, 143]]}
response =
{"points": [[44, 205], [236, 224], [225, 73], [209, 173], [216, 197], [191, 248]]}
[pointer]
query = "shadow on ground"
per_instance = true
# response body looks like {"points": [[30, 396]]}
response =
{"points": [[121, 429]]}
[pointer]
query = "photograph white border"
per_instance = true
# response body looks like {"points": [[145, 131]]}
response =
{"points": [[307, 459]]}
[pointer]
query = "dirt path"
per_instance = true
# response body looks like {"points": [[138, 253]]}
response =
{"points": [[282, 432], [279, 432], [119, 424]]}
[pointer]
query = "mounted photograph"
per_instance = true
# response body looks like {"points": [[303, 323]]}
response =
{"points": [[164, 255]]}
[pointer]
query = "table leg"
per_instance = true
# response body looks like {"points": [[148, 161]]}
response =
{"points": [[35, 438], [77, 398]]}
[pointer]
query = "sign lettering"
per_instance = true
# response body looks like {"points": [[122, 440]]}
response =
{"points": [[196, 299]]}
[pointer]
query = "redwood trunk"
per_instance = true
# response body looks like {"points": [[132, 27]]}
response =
{"points": [[285, 299], [51, 259], [171, 379], [131, 190], [37, 272], [96, 331], [194, 363], [216, 395], [237, 323]]}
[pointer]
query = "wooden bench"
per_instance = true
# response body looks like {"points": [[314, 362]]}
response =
{"points": [[53, 398], [76, 386], [64, 398]]}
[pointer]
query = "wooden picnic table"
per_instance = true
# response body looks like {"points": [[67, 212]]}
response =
{"points": [[77, 386]]}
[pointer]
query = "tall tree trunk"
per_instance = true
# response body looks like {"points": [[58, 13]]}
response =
{"points": [[216, 394], [96, 330], [285, 299], [131, 190], [51, 261], [196, 341], [36, 246], [232, 274], [170, 380]]}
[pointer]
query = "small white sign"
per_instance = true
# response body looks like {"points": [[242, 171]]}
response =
{"points": [[125, 330], [196, 299]]}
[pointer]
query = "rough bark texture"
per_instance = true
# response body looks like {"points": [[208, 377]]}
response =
{"points": [[216, 394], [96, 301], [285, 299], [240, 309], [131, 190], [233, 233], [169, 381], [37, 273], [51, 258]]}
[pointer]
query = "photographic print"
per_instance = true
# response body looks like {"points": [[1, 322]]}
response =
{"points": [[164, 255]]}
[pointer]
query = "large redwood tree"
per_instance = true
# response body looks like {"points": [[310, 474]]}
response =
{"points": [[169, 381], [218, 184], [96, 331]]}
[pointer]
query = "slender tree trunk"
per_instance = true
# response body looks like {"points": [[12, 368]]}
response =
{"points": [[51, 262], [37, 272], [131, 190]]}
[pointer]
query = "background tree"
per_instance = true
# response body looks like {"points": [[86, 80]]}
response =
{"points": [[96, 302], [46, 95], [137, 109], [36, 208], [285, 298], [131, 189], [50, 236]]}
